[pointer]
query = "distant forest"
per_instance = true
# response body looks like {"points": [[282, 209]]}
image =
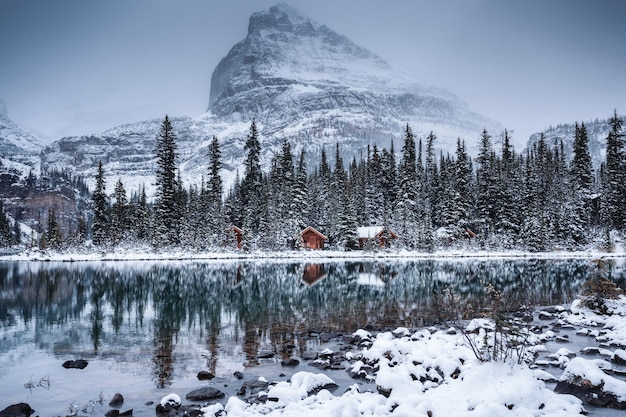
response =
{"points": [[542, 199]]}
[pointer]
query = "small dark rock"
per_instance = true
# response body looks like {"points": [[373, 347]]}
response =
{"points": [[562, 339], [290, 362], [545, 315], [204, 394], [205, 376], [116, 413], [619, 357], [238, 374], [251, 389], [17, 410], [282, 375], [77, 364], [117, 400], [385, 392], [265, 355]]}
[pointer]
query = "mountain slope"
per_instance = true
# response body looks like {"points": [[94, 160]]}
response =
{"points": [[302, 82], [597, 132]]}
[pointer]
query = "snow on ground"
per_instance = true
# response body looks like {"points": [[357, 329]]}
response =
{"points": [[426, 373], [148, 253], [434, 372]]}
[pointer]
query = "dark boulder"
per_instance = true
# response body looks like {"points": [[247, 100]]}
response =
{"points": [[117, 400], [205, 376], [17, 410], [290, 362], [77, 364], [181, 411], [204, 394], [238, 374], [250, 390]]}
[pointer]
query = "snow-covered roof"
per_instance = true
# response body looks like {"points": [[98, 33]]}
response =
{"points": [[368, 232]]}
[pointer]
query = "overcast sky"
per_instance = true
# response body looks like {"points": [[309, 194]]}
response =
{"points": [[79, 67]]}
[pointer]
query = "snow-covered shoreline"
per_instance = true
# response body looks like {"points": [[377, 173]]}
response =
{"points": [[295, 255], [433, 372]]}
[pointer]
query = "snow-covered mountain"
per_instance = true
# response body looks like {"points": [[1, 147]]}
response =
{"points": [[19, 148], [597, 132], [302, 82], [14, 139]]}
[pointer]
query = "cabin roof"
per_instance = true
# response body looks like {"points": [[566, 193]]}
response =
{"points": [[313, 230]]}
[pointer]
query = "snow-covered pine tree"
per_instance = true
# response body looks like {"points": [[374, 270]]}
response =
{"points": [[252, 188], [120, 221], [5, 228], [614, 194], [485, 186], [299, 205], [509, 179], [101, 220], [213, 204], [53, 237], [406, 210], [166, 208]]}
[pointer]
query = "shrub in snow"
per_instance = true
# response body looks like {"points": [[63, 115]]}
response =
{"points": [[598, 289]]}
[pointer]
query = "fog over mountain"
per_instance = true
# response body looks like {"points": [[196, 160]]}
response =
{"points": [[301, 82]]}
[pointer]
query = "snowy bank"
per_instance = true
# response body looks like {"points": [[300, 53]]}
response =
{"points": [[426, 373], [147, 254]]}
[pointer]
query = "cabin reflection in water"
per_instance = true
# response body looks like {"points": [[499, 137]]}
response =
{"points": [[313, 273]]}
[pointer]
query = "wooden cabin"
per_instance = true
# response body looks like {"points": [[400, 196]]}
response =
{"points": [[235, 234], [375, 234], [312, 239]]}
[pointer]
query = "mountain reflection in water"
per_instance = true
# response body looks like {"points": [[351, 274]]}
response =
{"points": [[171, 318]]}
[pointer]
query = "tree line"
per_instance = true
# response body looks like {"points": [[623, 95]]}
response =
{"points": [[537, 200]]}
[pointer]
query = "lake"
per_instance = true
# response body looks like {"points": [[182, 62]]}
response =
{"points": [[148, 328]]}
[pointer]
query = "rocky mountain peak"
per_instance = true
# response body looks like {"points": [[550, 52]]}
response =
{"points": [[281, 18], [284, 48]]}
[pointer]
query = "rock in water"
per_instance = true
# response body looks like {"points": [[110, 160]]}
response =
{"points": [[205, 376], [77, 364], [17, 410], [117, 400], [204, 394]]}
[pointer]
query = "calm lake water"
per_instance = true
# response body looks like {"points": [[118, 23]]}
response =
{"points": [[147, 328]]}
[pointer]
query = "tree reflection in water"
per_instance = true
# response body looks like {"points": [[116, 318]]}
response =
{"points": [[137, 312]]}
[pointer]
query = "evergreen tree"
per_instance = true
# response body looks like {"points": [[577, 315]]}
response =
{"points": [[299, 204], [406, 217], [52, 238], [213, 199], [100, 210], [142, 217], [120, 221], [614, 194], [5, 228], [166, 210], [253, 188], [485, 186]]}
